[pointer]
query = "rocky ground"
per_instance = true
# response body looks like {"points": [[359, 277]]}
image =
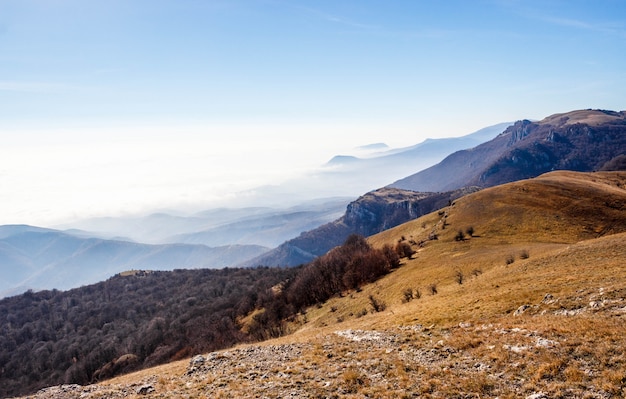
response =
{"points": [[549, 349], [466, 361]]}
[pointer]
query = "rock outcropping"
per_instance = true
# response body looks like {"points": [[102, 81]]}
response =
{"points": [[370, 214]]}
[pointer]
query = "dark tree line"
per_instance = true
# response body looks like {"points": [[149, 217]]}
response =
{"points": [[347, 267], [125, 323], [148, 318]]}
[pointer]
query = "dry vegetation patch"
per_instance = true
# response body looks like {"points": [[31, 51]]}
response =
{"points": [[550, 324]]}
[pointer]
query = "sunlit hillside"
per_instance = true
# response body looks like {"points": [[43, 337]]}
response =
{"points": [[531, 304]]}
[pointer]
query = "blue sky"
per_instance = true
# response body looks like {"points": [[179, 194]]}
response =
{"points": [[90, 90]]}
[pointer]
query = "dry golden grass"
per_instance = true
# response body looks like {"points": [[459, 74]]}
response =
{"points": [[587, 116], [566, 234]]}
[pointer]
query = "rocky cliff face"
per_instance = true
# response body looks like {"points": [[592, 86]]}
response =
{"points": [[518, 131], [381, 209], [389, 207], [370, 214]]}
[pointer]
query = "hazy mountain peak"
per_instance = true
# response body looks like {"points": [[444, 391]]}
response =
{"points": [[341, 160], [14, 229], [373, 146]]}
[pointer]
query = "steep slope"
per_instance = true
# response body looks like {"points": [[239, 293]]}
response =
{"points": [[549, 323], [560, 206], [579, 140], [33, 258], [369, 214]]}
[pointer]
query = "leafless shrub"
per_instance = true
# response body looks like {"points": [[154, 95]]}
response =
{"points": [[392, 256], [510, 259], [352, 380], [407, 295], [433, 288], [377, 304], [459, 276], [524, 254], [404, 250]]}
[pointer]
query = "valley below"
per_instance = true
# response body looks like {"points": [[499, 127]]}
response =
{"points": [[502, 277], [530, 304], [298, 199]]}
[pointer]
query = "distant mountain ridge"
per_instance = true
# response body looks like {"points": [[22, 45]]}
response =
{"points": [[582, 141], [36, 258], [267, 229], [263, 226], [350, 175], [415, 157]]}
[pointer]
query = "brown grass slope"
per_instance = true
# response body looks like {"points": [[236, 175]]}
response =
{"points": [[539, 313]]}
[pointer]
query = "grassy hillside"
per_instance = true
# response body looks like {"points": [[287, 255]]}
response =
{"points": [[538, 219], [532, 304]]}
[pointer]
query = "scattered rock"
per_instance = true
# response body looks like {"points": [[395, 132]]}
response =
{"points": [[544, 343], [521, 310], [569, 312], [360, 335], [197, 361], [548, 299], [59, 391], [363, 356], [481, 366], [516, 348], [595, 304], [145, 389]]}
